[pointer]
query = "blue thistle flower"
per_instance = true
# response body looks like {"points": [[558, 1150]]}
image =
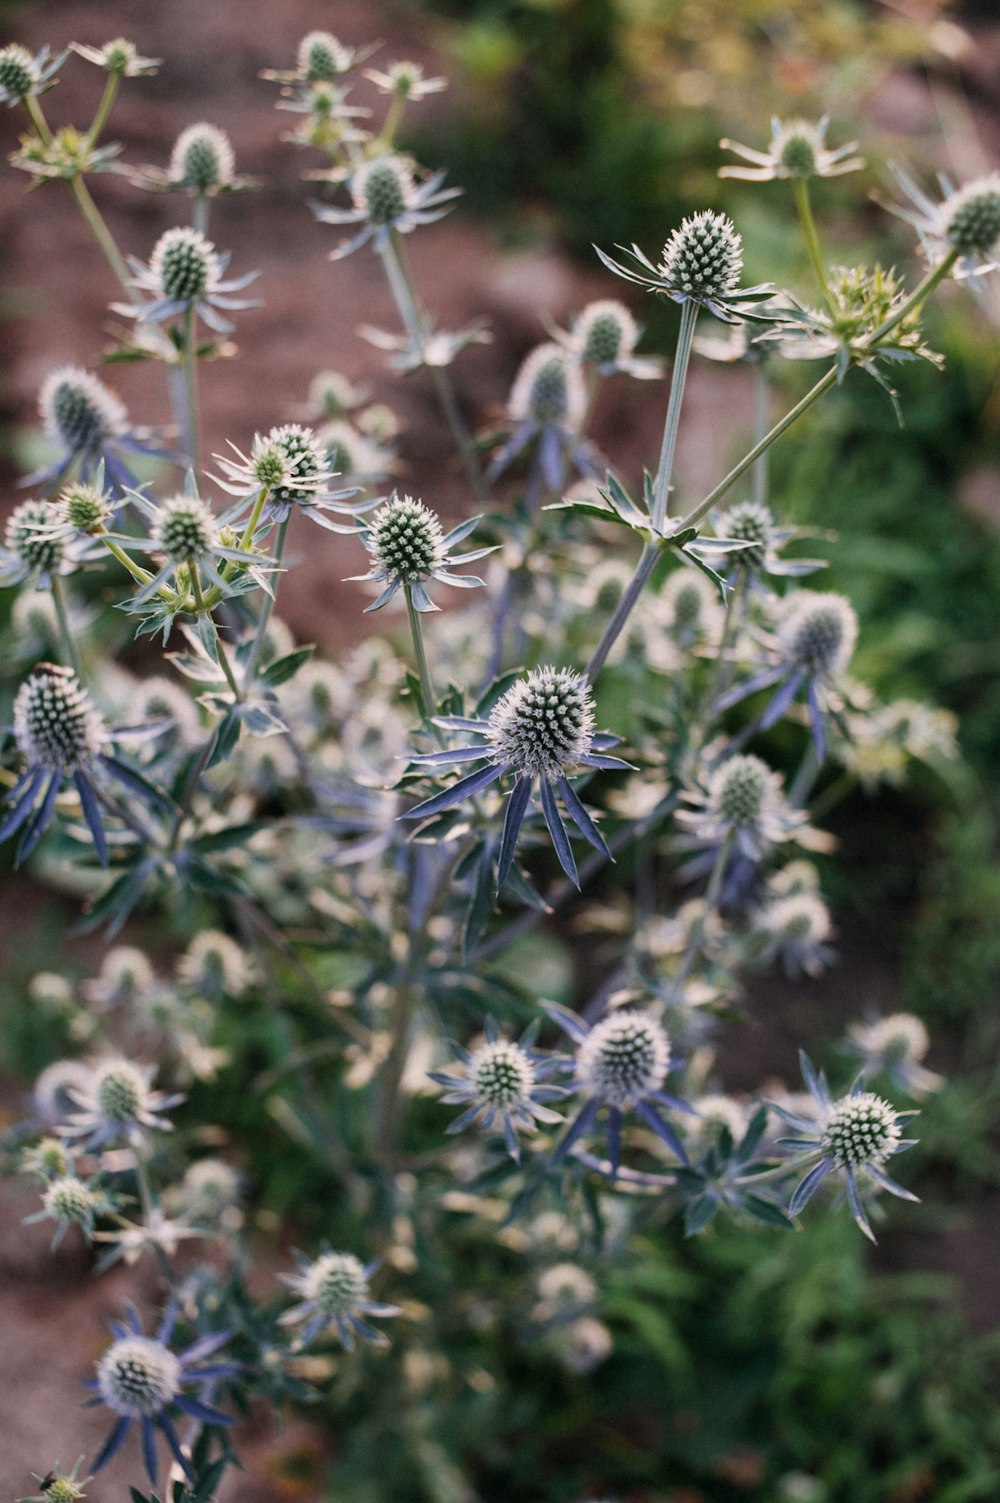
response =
{"points": [[505, 1083]]}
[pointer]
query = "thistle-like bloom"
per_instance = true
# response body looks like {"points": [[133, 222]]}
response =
{"points": [[333, 1291], [126, 980], [815, 640], [387, 197], [70, 1201], [357, 457], [293, 465], [405, 80], [752, 523], [797, 149], [320, 59], [506, 1084], [795, 930], [202, 159], [185, 533], [118, 1105], [118, 56], [22, 75], [548, 401], [214, 965], [743, 803], [140, 1378], [701, 263], [408, 548], [185, 272], [896, 1045], [541, 729], [853, 1136], [60, 734], [56, 1091], [604, 335], [967, 220], [88, 425], [620, 1066], [34, 547]]}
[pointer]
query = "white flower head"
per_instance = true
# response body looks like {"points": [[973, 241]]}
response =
{"points": [[624, 1058], [202, 158], [544, 724]]}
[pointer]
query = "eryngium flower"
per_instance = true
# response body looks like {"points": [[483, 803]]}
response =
{"points": [[965, 222], [752, 523], [701, 264], [292, 465], [408, 547], [386, 198], [214, 965], [140, 1378], [118, 56], [185, 273], [797, 149], [333, 1290], [548, 401], [22, 75], [70, 1201], [795, 930], [117, 1104], [896, 1045], [853, 1136], [505, 1083], [34, 547], [88, 425], [743, 803], [604, 335], [541, 728], [620, 1065], [321, 58], [202, 159]]}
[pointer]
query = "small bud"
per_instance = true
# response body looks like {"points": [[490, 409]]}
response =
{"points": [[335, 1283], [861, 1130], [70, 1201], [86, 508], [544, 724], [800, 919], [741, 790], [548, 389], [972, 216], [604, 332], [753, 524], [55, 722], [120, 1091], [623, 1058], [703, 257], [119, 55], [202, 158], [321, 58], [383, 189], [214, 963]]}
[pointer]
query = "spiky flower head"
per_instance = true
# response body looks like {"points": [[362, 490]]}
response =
{"points": [[406, 539], [120, 1091], [687, 598], [29, 534], [214, 963], [544, 724], [623, 1058], [971, 216], [861, 1130], [801, 918], [125, 978], [59, 1486], [703, 257], [86, 507], [305, 462], [741, 790], [202, 158], [900, 1036], [210, 1188], [48, 1158], [605, 331], [818, 632], [335, 1283], [55, 722], [58, 1086], [383, 189], [120, 55], [184, 529], [138, 1377], [332, 394], [548, 389], [78, 411], [752, 522], [502, 1074], [18, 71], [352, 454], [321, 58], [184, 264], [71, 1201]]}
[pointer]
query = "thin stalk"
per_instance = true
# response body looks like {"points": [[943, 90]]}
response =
{"points": [[719, 679], [415, 326], [104, 238], [417, 633], [202, 609], [104, 108], [199, 213], [812, 395], [38, 120], [615, 627], [811, 235], [685, 338], [191, 386], [697, 935], [761, 414], [780, 1171], [264, 619], [69, 646], [802, 783]]}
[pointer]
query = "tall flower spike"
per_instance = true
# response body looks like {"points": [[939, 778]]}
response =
{"points": [[541, 730], [408, 548]]}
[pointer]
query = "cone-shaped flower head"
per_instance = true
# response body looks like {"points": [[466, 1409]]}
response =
{"points": [[741, 790], [860, 1131], [383, 189], [502, 1075], [184, 265], [544, 724], [624, 1058], [819, 632], [78, 411], [18, 72], [184, 529], [797, 149], [214, 963], [55, 723], [120, 1089], [138, 1377], [86, 508], [548, 389], [305, 462], [336, 1282], [604, 332], [29, 535], [971, 216], [202, 158], [703, 257], [71, 1201], [802, 918], [406, 539], [321, 58], [752, 522]]}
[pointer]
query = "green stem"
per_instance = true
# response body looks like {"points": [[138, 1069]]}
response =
{"points": [[263, 620], [812, 395], [697, 935], [69, 646], [202, 609], [103, 109], [38, 120], [104, 238], [394, 115], [191, 385], [780, 1171], [417, 633], [685, 338], [761, 413], [811, 235], [199, 214], [622, 611]]}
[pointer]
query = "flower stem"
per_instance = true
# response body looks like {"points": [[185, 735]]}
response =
{"points": [[37, 118], [199, 600], [811, 235], [104, 108], [264, 619], [199, 214], [69, 646], [415, 325], [615, 627], [417, 633], [685, 338], [697, 935], [104, 238], [762, 406], [191, 386]]}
